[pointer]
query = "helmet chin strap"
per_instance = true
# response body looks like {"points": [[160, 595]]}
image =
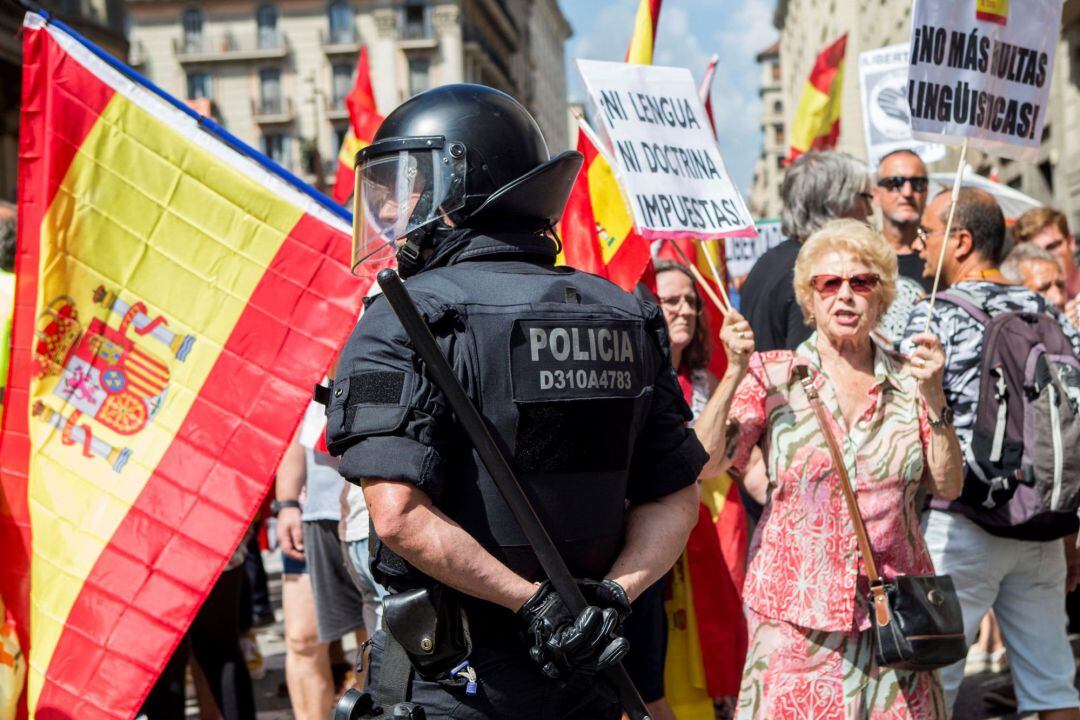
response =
{"points": [[410, 256]]}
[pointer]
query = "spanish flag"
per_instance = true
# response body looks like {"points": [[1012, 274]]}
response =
{"points": [[642, 42], [597, 230], [817, 119], [364, 121], [177, 297]]}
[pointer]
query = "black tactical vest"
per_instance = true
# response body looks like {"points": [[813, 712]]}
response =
{"points": [[561, 364]]}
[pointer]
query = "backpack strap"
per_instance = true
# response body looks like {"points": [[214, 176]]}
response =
{"points": [[965, 303]]}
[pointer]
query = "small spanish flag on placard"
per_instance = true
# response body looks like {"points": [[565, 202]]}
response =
{"points": [[995, 11], [178, 295], [817, 119]]}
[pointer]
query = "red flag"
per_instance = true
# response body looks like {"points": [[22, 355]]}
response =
{"points": [[705, 91], [364, 121], [597, 230], [154, 384], [817, 119]]}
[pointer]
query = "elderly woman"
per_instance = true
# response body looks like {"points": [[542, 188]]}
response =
{"points": [[805, 593], [818, 187]]}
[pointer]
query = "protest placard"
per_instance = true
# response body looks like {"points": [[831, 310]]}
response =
{"points": [[667, 159], [980, 70], [886, 119], [741, 253]]}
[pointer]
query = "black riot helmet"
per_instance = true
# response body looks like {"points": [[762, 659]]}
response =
{"points": [[463, 155]]}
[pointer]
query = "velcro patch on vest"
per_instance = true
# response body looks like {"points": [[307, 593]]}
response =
{"points": [[571, 359]]}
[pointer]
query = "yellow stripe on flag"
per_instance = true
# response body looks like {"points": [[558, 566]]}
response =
{"points": [[816, 113], [684, 674], [138, 202], [609, 208], [642, 41]]}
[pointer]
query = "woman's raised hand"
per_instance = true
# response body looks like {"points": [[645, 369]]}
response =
{"points": [[738, 341]]}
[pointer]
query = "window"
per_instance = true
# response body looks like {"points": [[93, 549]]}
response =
{"points": [[778, 131], [340, 131], [266, 17], [419, 72], [270, 91], [198, 85], [275, 146], [192, 22], [776, 71], [341, 84], [414, 20], [778, 107], [341, 22]]}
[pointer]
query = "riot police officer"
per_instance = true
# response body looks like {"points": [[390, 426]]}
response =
{"points": [[572, 376]]}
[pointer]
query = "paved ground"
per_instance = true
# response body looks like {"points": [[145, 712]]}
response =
{"points": [[974, 703]]}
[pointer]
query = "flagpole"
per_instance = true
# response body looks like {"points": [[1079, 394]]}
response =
{"points": [[948, 230], [715, 270], [724, 310]]}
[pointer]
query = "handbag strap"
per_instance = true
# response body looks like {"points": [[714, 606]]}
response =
{"points": [[877, 585]]}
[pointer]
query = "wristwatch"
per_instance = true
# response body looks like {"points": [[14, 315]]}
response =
{"points": [[277, 506], [945, 418]]}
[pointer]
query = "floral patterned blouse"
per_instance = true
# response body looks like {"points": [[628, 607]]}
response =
{"points": [[807, 570]]}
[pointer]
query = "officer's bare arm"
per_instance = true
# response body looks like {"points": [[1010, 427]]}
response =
{"points": [[711, 425], [406, 521], [656, 532]]}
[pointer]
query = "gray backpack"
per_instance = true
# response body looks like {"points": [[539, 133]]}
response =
{"points": [[1022, 477]]}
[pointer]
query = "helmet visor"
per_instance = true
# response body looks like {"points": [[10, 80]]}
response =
{"points": [[401, 191]]}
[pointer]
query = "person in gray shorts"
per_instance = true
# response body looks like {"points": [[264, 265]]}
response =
{"points": [[339, 604]]}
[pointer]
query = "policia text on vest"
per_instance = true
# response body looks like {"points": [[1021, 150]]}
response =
{"points": [[575, 359]]}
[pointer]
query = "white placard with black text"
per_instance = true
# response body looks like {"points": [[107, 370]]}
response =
{"points": [[886, 120], [667, 159], [981, 70]]}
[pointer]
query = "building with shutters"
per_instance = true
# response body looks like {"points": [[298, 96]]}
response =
{"points": [[275, 73]]}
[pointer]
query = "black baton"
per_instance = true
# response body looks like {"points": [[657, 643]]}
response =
{"points": [[546, 552]]}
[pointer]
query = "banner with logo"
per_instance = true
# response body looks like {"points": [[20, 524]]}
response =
{"points": [[980, 70], [886, 117]]}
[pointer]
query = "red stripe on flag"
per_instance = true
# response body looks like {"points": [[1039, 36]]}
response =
{"points": [[73, 98], [208, 485], [826, 65], [717, 607]]}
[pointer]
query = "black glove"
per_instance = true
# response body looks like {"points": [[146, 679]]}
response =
{"points": [[606, 594], [564, 645]]}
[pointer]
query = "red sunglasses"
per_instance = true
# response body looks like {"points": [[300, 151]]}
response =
{"points": [[863, 283]]}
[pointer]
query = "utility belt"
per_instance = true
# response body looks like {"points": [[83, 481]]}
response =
{"points": [[430, 627], [427, 635]]}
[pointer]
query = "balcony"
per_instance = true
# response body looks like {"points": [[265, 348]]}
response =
{"points": [[272, 111], [417, 34], [337, 110], [227, 47], [486, 51], [340, 42]]}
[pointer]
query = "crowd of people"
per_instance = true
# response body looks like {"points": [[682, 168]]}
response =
{"points": [[841, 311]]}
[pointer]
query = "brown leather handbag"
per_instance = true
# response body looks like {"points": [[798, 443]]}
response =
{"points": [[917, 622]]}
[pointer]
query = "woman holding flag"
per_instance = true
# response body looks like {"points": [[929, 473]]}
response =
{"points": [[806, 587], [687, 633]]}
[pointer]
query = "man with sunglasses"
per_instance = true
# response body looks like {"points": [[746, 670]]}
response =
{"points": [[1023, 580], [901, 190], [901, 194]]}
